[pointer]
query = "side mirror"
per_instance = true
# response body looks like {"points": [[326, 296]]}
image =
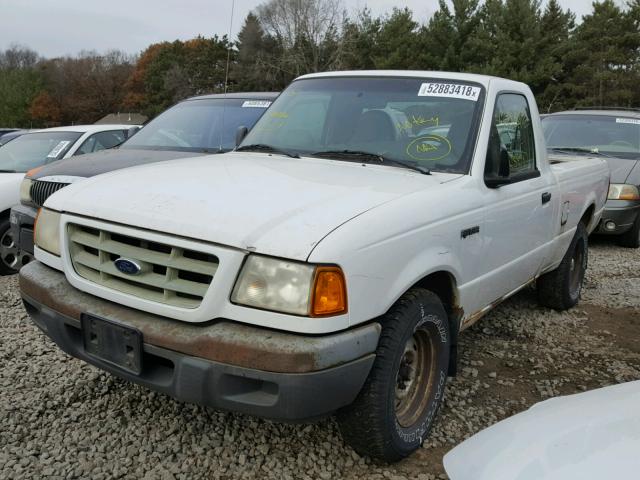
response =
{"points": [[504, 169], [241, 132], [131, 132], [504, 172]]}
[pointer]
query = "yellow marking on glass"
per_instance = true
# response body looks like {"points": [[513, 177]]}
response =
{"points": [[418, 121], [423, 147]]}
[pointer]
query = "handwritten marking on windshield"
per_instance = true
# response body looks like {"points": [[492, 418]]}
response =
{"points": [[429, 147], [418, 121]]}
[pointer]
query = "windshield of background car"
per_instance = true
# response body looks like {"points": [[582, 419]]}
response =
{"points": [[199, 125], [616, 136], [34, 149], [430, 122]]}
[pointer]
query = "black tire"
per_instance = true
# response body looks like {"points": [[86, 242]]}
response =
{"points": [[631, 239], [393, 414], [9, 254], [560, 289]]}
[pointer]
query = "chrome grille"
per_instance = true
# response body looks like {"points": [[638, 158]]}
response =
{"points": [[168, 274], [41, 190]]}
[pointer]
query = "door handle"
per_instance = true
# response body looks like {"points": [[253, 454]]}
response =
{"points": [[546, 197]]}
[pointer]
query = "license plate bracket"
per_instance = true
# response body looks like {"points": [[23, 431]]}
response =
{"points": [[112, 342]]}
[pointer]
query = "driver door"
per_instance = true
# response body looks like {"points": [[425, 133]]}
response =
{"points": [[519, 213]]}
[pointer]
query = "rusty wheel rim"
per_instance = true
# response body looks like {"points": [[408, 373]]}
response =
{"points": [[415, 378]]}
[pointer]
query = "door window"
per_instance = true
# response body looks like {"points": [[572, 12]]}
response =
{"points": [[512, 149]]}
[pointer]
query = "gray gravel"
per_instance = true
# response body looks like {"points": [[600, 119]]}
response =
{"points": [[60, 418]]}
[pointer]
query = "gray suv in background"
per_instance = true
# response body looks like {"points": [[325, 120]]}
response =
{"points": [[196, 126], [614, 135]]}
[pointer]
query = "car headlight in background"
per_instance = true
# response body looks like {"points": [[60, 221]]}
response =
{"points": [[46, 232], [621, 191], [291, 287], [25, 191]]}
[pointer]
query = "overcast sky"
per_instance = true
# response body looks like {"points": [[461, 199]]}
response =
{"points": [[61, 27]]}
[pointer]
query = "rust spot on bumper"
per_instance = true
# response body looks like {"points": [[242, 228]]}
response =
{"points": [[220, 340]]}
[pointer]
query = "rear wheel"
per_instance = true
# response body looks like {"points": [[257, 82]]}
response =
{"points": [[631, 239], [560, 289], [398, 403]]}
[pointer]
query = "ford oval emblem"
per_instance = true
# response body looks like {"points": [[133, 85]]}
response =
{"points": [[127, 266]]}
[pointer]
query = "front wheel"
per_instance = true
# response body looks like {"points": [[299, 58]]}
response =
{"points": [[397, 405], [9, 251], [560, 289]]}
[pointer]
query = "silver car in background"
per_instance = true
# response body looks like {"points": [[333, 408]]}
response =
{"points": [[614, 134]]}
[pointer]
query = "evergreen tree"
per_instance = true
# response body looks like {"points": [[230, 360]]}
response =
{"points": [[605, 56], [448, 34], [556, 28], [359, 39], [397, 44], [252, 70]]}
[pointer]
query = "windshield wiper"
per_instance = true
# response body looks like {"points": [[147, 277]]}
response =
{"points": [[370, 156], [591, 151], [261, 147], [8, 171]]}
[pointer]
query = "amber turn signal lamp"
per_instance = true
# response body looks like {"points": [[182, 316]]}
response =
{"points": [[33, 171], [329, 292]]}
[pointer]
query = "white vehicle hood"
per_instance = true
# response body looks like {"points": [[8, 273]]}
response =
{"points": [[589, 436], [266, 203]]}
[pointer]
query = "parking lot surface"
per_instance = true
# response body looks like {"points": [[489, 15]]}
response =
{"points": [[61, 418]]}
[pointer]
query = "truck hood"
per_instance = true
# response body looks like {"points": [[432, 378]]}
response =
{"points": [[634, 175], [107, 161], [591, 435], [266, 203], [620, 169]]}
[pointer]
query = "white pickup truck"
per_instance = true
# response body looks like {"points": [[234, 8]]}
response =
{"points": [[329, 263]]}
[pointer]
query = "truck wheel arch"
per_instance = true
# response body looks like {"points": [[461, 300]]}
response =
{"points": [[444, 285], [587, 217]]}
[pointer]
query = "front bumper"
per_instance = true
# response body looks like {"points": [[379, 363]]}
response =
{"points": [[618, 213], [22, 219], [220, 364]]}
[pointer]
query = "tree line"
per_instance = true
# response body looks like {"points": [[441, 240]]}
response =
{"points": [[593, 61]]}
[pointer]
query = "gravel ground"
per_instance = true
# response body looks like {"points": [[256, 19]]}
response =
{"points": [[61, 418]]}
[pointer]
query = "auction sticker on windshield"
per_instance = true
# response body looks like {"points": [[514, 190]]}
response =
{"points": [[635, 121], [256, 104], [451, 90], [58, 148]]}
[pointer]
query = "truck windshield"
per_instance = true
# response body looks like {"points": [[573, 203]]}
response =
{"points": [[610, 135], [423, 122], [34, 149], [199, 125]]}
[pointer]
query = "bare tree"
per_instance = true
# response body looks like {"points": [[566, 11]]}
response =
{"points": [[307, 30], [17, 57]]}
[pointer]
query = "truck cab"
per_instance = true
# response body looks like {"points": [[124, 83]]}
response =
{"points": [[328, 264]]}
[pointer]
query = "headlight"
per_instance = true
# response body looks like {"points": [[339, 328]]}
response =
{"points": [[25, 191], [621, 191], [47, 231], [291, 287]]}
